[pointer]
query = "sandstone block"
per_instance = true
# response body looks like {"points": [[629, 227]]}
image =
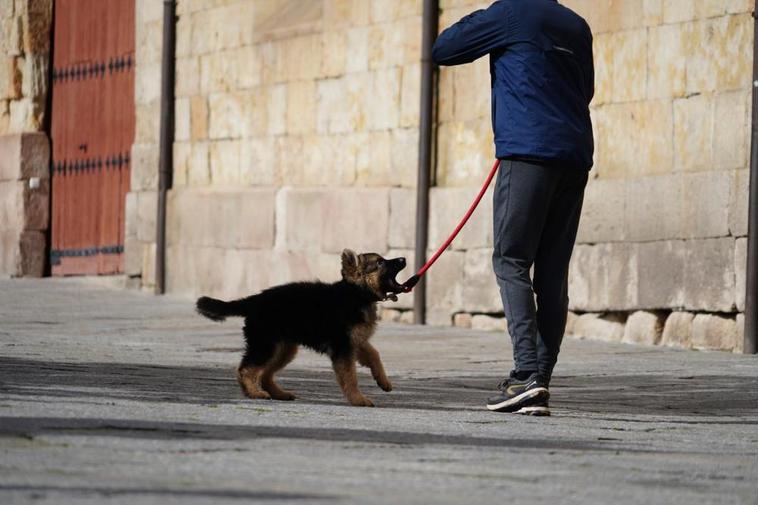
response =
{"points": [[677, 331], [133, 256], [198, 165], [466, 152], [410, 101], [389, 315], [384, 104], [182, 152], [740, 269], [144, 161], [729, 141], [571, 319], [299, 58], [643, 327], [301, 107], [187, 76], [258, 162], [447, 206], [198, 118], [23, 156], [462, 320], [334, 53], [235, 115], [147, 205], [705, 213], [23, 208], [666, 63], [607, 327], [647, 144], [224, 162], [714, 332], [480, 289], [223, 27], [299, 219], [407, 317], [404, 154], [385, 45], [740, 344], [149, 40], [661, 274], [147, 119], [709, 275], [359, 220], [374, 169], [358, 42], [31, 254], [182, 119], [402, 226], [654, 208], [629, 65], [603, 212], [333, 114], [738, 203], [693, 133], [489, 323], [445, 288], [472, 90], [604, 277], [147, 83]]}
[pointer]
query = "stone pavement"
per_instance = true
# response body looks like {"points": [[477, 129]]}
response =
{"points": [[113, 396]]}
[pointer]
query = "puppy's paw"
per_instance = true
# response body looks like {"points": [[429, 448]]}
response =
{"points": [[361, 401], [385, 384], [258, 395], [285, 396]]}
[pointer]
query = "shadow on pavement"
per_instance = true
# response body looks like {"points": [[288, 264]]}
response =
{"points": [[649, 394]]}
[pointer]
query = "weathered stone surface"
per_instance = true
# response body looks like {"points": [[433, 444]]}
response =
{"points": [[739, 346], [677, 331], [603, 212], [645, 148], [480, 289], [661, 274], [147, 205], [182, 119], [404, 154], [389, 315], [410, 100], [24, 155], [446, 208], [144, 167], [693, 133], [714, 332], [31, 254], [466, 152], [740, 269], [604, 277], [472, 91], [489, 323], [666, 62], [643, 327], [738, 203], [592, 326], [133, 256], [357, 219], [462, 320], [654, 208], [730, 123], [225, 218], [704, 195], [571, 319], [623, 75], [23, 208], [709, 275], [384, 102], [445, 288], [301, 107], [402, 226], [299, 219], [224, 162]]}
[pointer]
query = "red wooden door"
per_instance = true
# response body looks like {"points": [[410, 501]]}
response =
{"points": [[92, 130]]}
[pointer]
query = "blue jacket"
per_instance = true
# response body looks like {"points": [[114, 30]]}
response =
{"points": [[542, 77]]}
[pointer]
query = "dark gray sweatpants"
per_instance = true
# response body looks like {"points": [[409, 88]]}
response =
{"points": [[536, 215]]}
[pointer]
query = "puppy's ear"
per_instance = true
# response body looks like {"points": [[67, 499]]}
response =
{"points": [[350, 265]]}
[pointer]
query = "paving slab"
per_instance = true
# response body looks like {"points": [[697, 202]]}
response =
{"points": [[116, 396]]}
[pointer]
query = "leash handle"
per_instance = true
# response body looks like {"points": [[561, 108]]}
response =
{"points": [[411, 283]]}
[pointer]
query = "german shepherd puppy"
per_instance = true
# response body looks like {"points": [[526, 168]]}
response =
{"points": [[334, 319]]}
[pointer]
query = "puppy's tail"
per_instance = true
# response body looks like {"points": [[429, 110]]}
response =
{"points": [[218, 310]]}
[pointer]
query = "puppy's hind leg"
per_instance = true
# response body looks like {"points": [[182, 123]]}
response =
{"points": [[250, 370], [344, 368], [368, 356], [283, 355]]}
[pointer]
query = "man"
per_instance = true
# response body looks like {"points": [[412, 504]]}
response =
{"points": [[542, 83]]}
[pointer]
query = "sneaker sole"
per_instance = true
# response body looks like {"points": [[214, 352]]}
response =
{"points": [[523, 400], [534, 411]]}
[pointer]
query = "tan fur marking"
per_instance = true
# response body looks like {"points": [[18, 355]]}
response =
{"points": [[284, 354], [347, 378], [249, 378], [368, 356]]}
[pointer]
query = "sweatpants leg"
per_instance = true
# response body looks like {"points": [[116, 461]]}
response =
{"points": [[551, 267], [524, 212]]}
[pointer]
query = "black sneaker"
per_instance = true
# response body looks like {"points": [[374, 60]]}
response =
{"points": [[517, 394], [538, 409]]}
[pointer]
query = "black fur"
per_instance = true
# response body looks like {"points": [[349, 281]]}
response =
{"points": [[317, 315]]}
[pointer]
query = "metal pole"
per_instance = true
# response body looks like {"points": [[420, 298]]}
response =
{"points": [[426, 125], [751, 274], [165, 166]]}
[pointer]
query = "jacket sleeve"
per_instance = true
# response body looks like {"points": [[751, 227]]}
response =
{"points": [[475, 35]]}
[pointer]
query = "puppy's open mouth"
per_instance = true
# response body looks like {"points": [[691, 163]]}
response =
{"points": [[392, 286]]}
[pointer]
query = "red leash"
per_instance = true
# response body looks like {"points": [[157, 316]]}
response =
{"points": [[411, 283]]}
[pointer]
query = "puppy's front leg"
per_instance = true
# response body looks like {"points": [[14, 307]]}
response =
{"points": [[344, 368], [369, 356]]}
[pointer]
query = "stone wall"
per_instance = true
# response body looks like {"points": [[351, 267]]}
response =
{"points": [[296, 136], [24, 151]]}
